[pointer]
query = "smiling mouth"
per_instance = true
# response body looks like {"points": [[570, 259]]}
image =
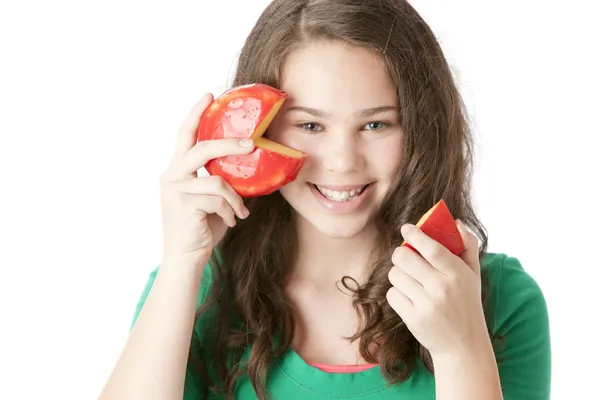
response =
{"points": [[340, 195]]}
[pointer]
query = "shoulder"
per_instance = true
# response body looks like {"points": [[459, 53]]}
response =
{"points": [[518, 319], [511, 289], [502, 270]]}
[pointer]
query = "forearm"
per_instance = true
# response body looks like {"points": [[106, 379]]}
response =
{"points": [[152, 365], [468, 375]]}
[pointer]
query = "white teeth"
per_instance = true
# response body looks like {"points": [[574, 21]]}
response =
{"points": [[340, 196]]}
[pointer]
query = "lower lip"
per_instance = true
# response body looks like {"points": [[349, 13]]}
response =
{"points": [[341, 206]]}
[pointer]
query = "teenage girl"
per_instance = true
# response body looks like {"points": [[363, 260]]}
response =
{"points": [[305, 293]]}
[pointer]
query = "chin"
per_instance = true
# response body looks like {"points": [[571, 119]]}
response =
{"points": [[330, 216], [339, 228]]}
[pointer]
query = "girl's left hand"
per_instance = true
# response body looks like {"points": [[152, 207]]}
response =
{"points": [[438, 294]]}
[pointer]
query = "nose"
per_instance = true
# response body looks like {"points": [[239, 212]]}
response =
{"points": [[341, 153]]}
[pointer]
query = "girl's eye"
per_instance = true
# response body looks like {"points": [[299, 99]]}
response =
{"points": [[315, 127], [374, 126], [310, 126]]}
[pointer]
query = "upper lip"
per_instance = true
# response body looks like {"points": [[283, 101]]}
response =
{"points": [[342, 188]]}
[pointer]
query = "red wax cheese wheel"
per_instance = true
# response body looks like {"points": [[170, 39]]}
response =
{"points": [[245, 112], [438, 224]]}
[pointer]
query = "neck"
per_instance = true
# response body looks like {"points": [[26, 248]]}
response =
{"points": [[322, 258]]}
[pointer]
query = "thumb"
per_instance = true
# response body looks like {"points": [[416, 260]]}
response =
{"points": [[470, 254]]}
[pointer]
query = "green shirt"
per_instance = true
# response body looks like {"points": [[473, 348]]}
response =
{"points": [[519, 314]]}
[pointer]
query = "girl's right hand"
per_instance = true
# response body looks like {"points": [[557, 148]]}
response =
{"points": [[196, 210]]}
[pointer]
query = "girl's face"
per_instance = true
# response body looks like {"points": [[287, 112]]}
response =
{"points": [[342, 112]]}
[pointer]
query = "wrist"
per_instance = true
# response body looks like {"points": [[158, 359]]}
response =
{"points": [[179, 271], [187, 263], [474, 345], [477, 350], [180, 276], [470, 372]]}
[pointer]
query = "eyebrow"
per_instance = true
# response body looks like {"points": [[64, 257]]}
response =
{"points": [[369, 112]]}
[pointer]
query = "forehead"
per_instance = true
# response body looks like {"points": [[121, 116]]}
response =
{"points": [[336, 77]]}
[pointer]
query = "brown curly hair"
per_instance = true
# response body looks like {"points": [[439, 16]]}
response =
{"points": [[253, 267]]}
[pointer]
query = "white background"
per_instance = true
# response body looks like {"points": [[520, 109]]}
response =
{"points": [[92, 94]]}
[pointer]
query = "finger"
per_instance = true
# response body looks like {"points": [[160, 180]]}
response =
{"points": [[470, 255], [216, 186], [400, 303], [186, 137], [214, 205], [406, 284], [431, 250], [415, 266], [208, 150]]}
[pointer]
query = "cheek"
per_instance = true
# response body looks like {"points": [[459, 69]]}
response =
{"points": [[385, 156]]}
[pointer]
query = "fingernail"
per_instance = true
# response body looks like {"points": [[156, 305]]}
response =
{"points": [[246, 142], [405, 228], [245, 213]]}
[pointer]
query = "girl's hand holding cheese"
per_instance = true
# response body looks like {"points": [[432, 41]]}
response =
{"points": [[198, 210]]}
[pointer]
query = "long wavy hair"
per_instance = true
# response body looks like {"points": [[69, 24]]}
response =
{"points": [[251, 308]]}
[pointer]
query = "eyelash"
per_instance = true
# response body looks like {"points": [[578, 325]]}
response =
{"points": [[303, 126]]}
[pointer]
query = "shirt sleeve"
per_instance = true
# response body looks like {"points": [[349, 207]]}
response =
{"points": [[522, 334], [194, 388]]}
